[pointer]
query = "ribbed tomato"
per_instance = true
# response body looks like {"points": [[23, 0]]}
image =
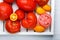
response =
{"points": [[9, 1], [26, 5], [12, 26], [5, 10], [20, 14], [30, 21], [42, 2]]}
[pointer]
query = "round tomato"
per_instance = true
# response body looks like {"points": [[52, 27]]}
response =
{"points": [[42, 2], [20, 14], [12, 26], [13, 17], [30, 21], [44, 20], [9, 1], [5, 10], [26, 5]]}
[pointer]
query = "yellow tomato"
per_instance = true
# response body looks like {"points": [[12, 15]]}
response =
{"points": [[40, 10], [47, 7], [39, 28], [13, 17]]}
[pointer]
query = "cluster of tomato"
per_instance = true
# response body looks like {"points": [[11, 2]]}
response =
{"points": [[29, 15]]}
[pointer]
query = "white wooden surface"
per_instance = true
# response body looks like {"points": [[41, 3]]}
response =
{"points": [[30, 32]]}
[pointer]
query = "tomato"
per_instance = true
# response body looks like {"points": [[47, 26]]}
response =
{"points": [[47, 8], [39, 28], [5, 10], [30, 21], [9, 1], [13, 17], [20, 14], [12, 26], [40, 10], [45, 20], [42, 2], [26, 5]]}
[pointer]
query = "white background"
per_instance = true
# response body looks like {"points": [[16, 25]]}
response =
{"points": [[57, 29]]}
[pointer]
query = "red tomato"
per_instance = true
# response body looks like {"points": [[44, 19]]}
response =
{"points": [[12, 26], [26, 5], [9, 1], [42, 2], [20, 14], [30, 21], [44, 20], [5, 10]]}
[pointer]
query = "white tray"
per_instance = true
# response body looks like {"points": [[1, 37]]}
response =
{"points": [[49, 31]]}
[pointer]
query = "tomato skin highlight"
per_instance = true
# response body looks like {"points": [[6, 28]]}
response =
{"points": [[5, 10], [12, 26], [42, 2], [20, 14], [8, 1], [26, 5], [30, 22]]}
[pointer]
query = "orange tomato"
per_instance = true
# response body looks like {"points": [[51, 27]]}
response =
{"points": [[47, 7], [39, 28], [40, 10]]}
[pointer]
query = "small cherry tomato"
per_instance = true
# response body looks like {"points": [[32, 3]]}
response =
{"points": [[42, 2], [39, 28], [13, 17], [47, 7], [45, 20], [26, 5], [5, 11], [20, 14], [40, 10], [12, 26], [30, 21]]}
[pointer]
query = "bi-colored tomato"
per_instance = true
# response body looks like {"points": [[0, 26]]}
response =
{"points": [[9, 1], [20, 14], [12, 26], [30, 21], [5, 10], [42, 2], [26, 5], [44, 20]]}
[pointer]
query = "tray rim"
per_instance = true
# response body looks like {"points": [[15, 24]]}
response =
{"points": [[34, 33]]}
